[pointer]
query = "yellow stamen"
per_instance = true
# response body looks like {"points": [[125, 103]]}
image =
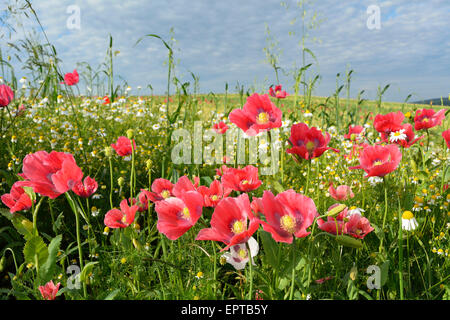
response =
{"points": [[242, 253], [310, 146], [263, 118], [377, 163], [238, 227], [165, 194], [186, 214], [288, 223]]}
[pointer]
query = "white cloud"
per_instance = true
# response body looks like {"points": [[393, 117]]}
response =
{"points": [[222, 41]]}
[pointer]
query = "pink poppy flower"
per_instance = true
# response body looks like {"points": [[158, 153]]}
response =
{"points": [[86, 188], [71, 79], [259, 114], [178, 215], [123, 146], [122, 218], [446, 136], [278, 92], [213, 194], [232, 222], [16, 199], [308, 143], [378, 161], [242, 180], [428, 118], [357, 226], [341, 193], [220, 127], [49, 291], [389, 122], [6, 95], [354, 133], [287, 215], [50, 174]]}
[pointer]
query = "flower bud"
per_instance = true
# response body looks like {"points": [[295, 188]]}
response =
{"points": [[121, 181], [109, 151], [130, 133]]}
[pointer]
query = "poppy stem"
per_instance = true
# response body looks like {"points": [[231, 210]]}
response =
{"points": [[111, 183], [291, 294], [385, 212], [250, 291]]}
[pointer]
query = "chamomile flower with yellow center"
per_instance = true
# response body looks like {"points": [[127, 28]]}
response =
{"points": [[409, 223], [397, 136]]}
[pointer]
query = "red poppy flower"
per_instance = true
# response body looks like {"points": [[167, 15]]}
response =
{"points": [[354, 133], [229, 222], [259, 114], [50, 290], [242, 180], [50, 174], [428, 118], [6, 95], [278, 92], [178, 215], [308, 143], [123, 146], [378, 161], [446, 136], [388, 122], [220, 127], [122, 218], [71, 79], [213, 194], [106, 100], [16, 199], [86, 188], [288, 214]]}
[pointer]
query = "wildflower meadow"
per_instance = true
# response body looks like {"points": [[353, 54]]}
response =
{"points": [[249, 193]]}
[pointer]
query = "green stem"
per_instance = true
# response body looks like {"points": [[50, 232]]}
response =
{"points": [[291, 294], [111, 182], [250, 292]]}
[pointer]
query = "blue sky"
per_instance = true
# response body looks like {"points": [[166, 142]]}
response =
{"points": [[223, 41]]}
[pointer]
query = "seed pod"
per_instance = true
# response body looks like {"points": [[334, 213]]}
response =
{"points": [[349, 241]]}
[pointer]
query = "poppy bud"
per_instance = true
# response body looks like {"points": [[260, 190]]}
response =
{"points": [[336, 210], [121, 181], [130, 133], [109, 151]]}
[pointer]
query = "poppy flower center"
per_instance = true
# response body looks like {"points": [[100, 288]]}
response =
{"points": [[245, 181], [263, 117], [288, 223], [242, 254], [214, 197], [377, 163], [124, 219], [425, 119], [310, 146], [165, 194], [186, 214], [238, 227]]}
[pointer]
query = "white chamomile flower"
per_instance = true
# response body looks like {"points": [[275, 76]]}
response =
{"points": [[409, 223], [397, 135]]}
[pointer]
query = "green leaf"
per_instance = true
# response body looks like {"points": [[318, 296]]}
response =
{"points": [[48, 268], [87, 269], [35, 251], [112, 295], [270, 248], [384, 272]]}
